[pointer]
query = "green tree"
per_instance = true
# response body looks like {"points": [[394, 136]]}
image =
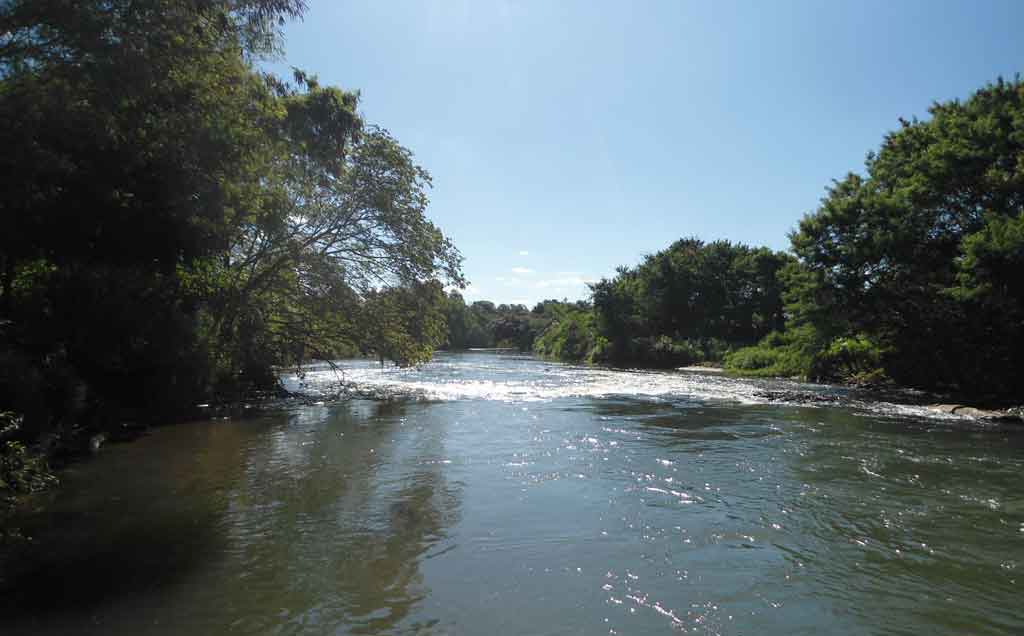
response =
{"points": [[571, 337], [133, 140], [689, 302], [915, 254], [175, 220], [404, 324]]}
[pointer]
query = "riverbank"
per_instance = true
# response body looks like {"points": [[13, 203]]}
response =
{"points": [[979, 408], [972, 409]]}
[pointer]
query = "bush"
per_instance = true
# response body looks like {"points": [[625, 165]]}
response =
{"points": [[854, 358], [715, 349], [571, 338], [601, 351], [803, 352], [753, 358], [763, 360], [667, 352], [663, 351], [787, 354], [22, 471]]}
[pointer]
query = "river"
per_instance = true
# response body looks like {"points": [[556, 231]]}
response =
{"points": [[500, 494]]}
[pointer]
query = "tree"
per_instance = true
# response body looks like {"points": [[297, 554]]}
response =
{"points": [[349, 224], [690, 298], [176, 221], [915, 253], [404, 324], [133, 136]]}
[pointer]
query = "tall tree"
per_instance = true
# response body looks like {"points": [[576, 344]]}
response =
{"points": [[919, 253], [174, 219], [691, 291]]}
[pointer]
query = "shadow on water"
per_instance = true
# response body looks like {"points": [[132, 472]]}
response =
{"points": [[392, 504], [682, 422], [120, 531], [126, 565], [317, 519]]}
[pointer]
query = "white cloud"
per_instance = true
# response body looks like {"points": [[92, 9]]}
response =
{"points": [[559, 283], [523, 253], [528, 287]]}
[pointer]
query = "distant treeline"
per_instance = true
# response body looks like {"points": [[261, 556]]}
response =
{"points": [[912, 272], [484, 325], [176, 223], [690, 303]]}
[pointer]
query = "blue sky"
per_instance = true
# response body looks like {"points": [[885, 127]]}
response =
{"points": [[567, 138]]}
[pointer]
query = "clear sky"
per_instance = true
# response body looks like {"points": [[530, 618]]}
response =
{"points": [[567, 138]]}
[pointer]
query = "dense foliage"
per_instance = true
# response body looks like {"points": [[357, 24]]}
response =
{"points": [[177, 223], [484, 325], [909, 273], [572, 336], [686, 304], [913, 271]]}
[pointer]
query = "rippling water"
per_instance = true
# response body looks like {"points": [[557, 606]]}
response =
{"points": [[494, 494]]}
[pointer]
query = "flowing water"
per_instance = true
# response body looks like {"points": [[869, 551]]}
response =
{"points": [[496, 494]]}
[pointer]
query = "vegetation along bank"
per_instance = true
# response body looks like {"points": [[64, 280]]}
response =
{"points": [[906, 273], [178, 223]]}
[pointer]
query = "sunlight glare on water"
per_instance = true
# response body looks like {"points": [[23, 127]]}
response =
{"points": [[502, 494], [519, 378]]}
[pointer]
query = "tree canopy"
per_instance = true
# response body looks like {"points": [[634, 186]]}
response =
{"points": [[691, 296], [920, 255], [909, 272], [177, 222]]}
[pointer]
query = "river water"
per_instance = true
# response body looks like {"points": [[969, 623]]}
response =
{"points": [[497, 494]]}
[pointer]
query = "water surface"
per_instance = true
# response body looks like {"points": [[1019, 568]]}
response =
{"points": [[497, 494]]}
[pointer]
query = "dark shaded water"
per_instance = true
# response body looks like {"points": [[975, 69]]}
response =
{"points": [[504, 495]]}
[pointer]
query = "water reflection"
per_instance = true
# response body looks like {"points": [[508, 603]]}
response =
{"points": [[118, 529], [360, 492], [317, 520], [628, 507]]}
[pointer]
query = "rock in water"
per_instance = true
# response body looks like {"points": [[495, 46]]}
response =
{"points": [[974, 413]]}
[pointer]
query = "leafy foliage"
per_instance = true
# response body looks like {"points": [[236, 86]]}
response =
{"points": [[690, 303], [483, 325], [922, 254], [572, 336], [177, 223], [21, 471]]}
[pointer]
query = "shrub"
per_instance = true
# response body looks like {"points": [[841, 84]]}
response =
{"points": [[22, 471], [571, 338], [778, 354], [803, 352], [766, 361], [853, 358]]}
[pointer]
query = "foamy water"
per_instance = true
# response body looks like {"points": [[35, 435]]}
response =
{"points": [[518, 378], [503, 494]]}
